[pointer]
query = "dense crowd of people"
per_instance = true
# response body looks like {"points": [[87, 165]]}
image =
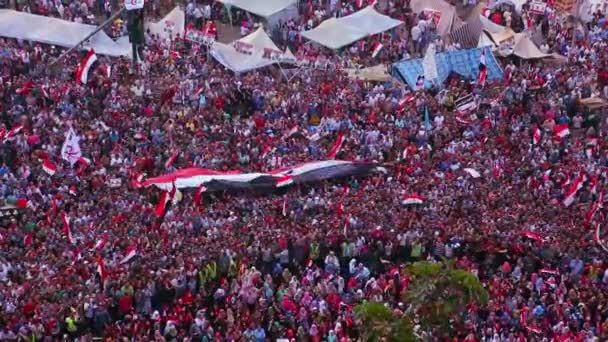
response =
{"points": [[293, 264]]}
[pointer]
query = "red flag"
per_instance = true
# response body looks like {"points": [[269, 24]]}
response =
{"points": [[130, 254], [337, 146], [13, 132], [483, 69], [534, 236], [198, 195], [171, 160], [162, 202], [101, 242], [49, 167], [340, 207], [66, 228], [101, 269], [536, 135], [284, 181], [28, 240]]}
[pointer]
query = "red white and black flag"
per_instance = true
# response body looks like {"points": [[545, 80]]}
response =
{"points": [[82, 73], [483, 69]]}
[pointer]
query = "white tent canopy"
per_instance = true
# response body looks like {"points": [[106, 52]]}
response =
{"points": [[54, 31], [448, 20], [336, 33], [239, 62], [172, 25], [263, 8], [271, 10]]}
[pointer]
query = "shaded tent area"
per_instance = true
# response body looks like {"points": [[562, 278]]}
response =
{"points": [[54, 31], [448, 19], [252, 52], [508, 43], [376, 73], [463, 62], [272, 11], [335, 33]]}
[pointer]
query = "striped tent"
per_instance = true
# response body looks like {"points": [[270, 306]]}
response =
{"points": [[468, 34]]}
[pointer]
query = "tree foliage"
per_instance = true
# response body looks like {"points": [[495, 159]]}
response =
{"points": [[437, 298]]}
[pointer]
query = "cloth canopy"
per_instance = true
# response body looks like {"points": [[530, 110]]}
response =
{"points": [[377, 73], [526, 49], [239, 62], [54, 31], [463, 62], [336, 33], [448, 20], [172, 25], [262, 8]]}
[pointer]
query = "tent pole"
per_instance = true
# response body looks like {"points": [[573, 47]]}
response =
{"points": [[99, 28]]}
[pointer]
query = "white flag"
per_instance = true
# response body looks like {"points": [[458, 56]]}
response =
{"points": [[70, 151], [429, 65]]}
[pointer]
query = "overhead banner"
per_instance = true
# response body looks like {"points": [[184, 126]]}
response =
{"points": [[134, 4]]}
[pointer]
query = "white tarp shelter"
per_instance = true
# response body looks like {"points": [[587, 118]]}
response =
{"points": [[239, 62], [271, 10], [448, 19], [54, 31], [517, 4], [172, 25], [336, 33]]}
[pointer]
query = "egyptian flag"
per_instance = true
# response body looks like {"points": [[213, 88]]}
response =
{"points": [[536, 135], [13, 132], [101, 269], [360, 3], [26, 89], [337, 146], [198, 195], [164, 199], [101, 242], [292, 131], [171, 160], [483, 69], [561, 132], [49, 167], [377, 47], [82, 73], [574, 188], [66, 228], [28, 240], [497, 169], [549, 271], [284, 181], [534, 236], [340, 207], [130, 254], [138, 179], [406, 101], [412, 199], [210, 30]]}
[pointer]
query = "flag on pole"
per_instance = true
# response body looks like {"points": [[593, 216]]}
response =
{"points": [[66, 228], [536, 135], [412, 199], [70, 151], [162, 203], [337, 146], [49, 167], [198, 195], [407, 100], [483, 69], [284, 181], [101, 270], [561, 131], [130, 254], [13, 132], [101, 242], [574, 188], [377, 48], [82, 73]]}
